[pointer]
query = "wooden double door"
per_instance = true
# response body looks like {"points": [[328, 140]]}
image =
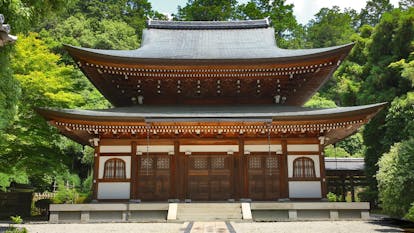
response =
{"points": [[263, 177], [208, 177]]}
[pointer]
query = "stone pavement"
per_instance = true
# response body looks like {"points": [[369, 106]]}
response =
{"points": [[209, 227]]}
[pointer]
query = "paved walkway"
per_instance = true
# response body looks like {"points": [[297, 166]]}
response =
{"points": [[209, 227], [213, 227]]}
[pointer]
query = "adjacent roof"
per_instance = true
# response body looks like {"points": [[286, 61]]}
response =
{"points": [[345, 164]]}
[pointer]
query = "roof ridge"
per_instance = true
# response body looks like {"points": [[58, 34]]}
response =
{"points": [[208, 25]]}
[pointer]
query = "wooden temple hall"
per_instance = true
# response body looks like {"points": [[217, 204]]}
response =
{"points": [[209, 111]]}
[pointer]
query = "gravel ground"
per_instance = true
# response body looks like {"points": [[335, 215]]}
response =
{"points": [[105, 228], [257, 227], [314, 227]]}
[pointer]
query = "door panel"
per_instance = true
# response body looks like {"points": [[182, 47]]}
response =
{"points": [[263, 173], [154, 177]]}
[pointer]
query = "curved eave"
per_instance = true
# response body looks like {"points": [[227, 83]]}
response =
{"points": [[122, 57], [73, 123], [200, 113]]}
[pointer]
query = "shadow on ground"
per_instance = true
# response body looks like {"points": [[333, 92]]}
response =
{"points": [[405, 226]]}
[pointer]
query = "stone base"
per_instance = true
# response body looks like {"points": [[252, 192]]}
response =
{"points": [[173, 212]]}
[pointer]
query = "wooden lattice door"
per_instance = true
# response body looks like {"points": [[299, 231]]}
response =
{"points": [[154, 173], [263, 177], [209, 177]]}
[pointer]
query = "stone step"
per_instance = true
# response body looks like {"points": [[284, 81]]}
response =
{"points": [[207, 218], [209, 211]]}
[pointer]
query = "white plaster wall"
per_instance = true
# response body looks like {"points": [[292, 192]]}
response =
{"points": [[303, 147], [127, 160], [115, 149], [262, 148], [155, 148], [114, 190], [209, 148], [305, 189], [315, 159]]}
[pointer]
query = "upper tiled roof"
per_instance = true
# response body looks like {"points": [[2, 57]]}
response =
{"points": [[210, 40]]}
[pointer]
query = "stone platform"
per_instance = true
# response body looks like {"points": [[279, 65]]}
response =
{"points": [[211, 211]]}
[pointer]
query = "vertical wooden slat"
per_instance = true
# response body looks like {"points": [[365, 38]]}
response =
{"points": [[174, 180], [134, 172], [239, 175], [284, 185], [96, 172]]}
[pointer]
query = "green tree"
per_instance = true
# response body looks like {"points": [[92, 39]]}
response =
{"points": [[288, 33], [329, 28], [30, 145], [132, 12], [318, 101], [373, 11], [391, 41], [23, 15], [405, 4], [207, 10], [396, 178]]}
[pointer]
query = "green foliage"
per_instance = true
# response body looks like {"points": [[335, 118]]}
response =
{"points": [[7, 176], [353, 145], [410, 214], [329, 28], [396, 178], [373, 11], [16, 230], [132, 12], [288, 33], [71, 190], [317, 101], [23, 14], [332, 197], [399, 119], [29, 144], [8, 99], [335, 151], [16, 219], [207, 10]]}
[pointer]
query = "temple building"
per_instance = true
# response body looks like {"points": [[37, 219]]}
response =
{"points": [[209, 111]]}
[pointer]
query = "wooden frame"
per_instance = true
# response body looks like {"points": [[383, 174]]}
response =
{"points": [[117, 162], [304, 169]]}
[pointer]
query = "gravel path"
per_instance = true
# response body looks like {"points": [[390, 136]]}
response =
{"points": [[256, 227]]}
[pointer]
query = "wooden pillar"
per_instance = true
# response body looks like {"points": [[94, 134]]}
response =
{"points": [[322, 170], [351, 180], [134, 170], [284, 184], [239, 171], [343, 179], [181, 172], [96, 144], [174, 178], [244, 163]]}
